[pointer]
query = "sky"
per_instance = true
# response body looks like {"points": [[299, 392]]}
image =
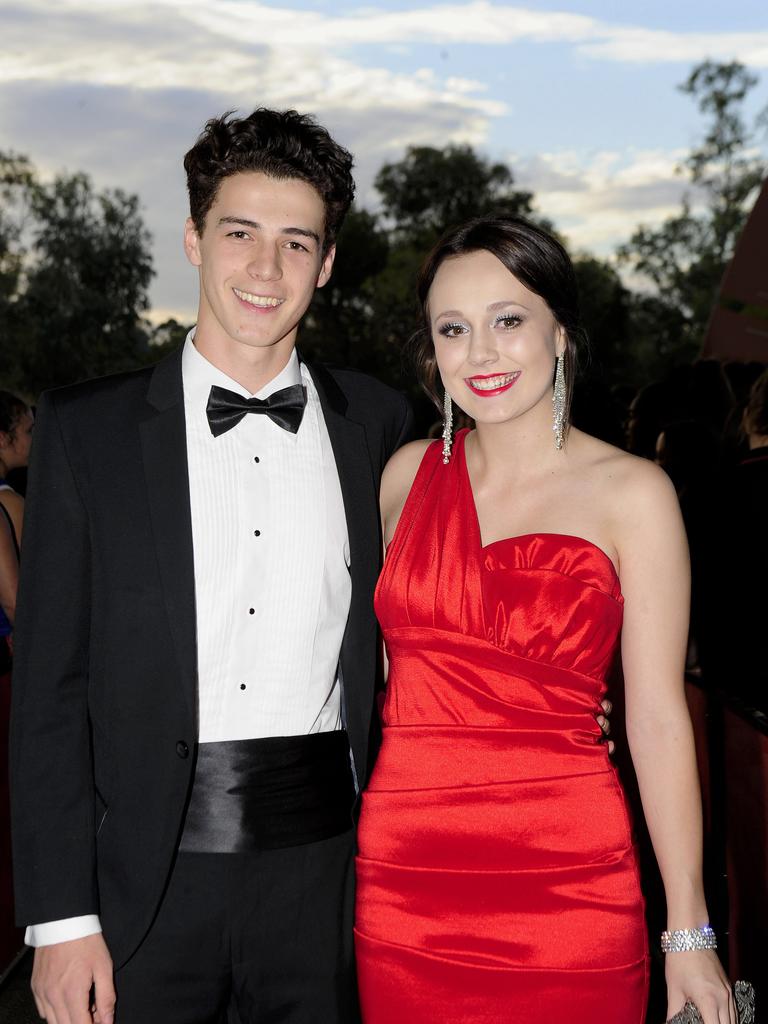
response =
{"points": [[579, 97]]}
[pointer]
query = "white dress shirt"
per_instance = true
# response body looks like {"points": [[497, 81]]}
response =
{"points": [[272, 583]]}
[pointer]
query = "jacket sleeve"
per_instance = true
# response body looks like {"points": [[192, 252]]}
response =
{"points": [[405, 426], [52, 789]]}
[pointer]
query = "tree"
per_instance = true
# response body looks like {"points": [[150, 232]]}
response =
{"points": [[15, 175], [368, 309], [337, 325], [430, 189], [686, 256], [75, 266], [165, 338], [604, 302]]}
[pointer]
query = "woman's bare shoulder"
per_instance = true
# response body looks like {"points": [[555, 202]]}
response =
{"points": [[636, 496], [401, 469], [628, 486], [634, 478], [614, 465]]}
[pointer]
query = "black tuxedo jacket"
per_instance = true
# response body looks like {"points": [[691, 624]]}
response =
{"points": [[104, 719]]}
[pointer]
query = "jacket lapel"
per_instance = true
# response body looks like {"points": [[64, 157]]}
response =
{"points": [[164, 450], [358, 489]]}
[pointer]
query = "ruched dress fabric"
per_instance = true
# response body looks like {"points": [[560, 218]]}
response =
{"points": [[497, 875]]}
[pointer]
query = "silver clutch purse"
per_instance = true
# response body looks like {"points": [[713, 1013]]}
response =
{"points": [[744, 995]]}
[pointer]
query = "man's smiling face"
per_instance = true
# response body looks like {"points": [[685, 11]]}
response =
{"points": [[260, 259]]}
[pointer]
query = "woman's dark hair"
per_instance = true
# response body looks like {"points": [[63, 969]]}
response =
{"points": [[536, 259], [12, 409], [756, 412], [280, 144]]}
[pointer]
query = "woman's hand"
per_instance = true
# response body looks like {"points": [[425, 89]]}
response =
{"points": [[698, 976]]}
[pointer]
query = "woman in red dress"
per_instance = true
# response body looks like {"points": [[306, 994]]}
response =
{"points": [[497, 875]]}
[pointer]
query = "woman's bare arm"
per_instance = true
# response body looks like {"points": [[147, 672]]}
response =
{"points": [[655, 580], [9, 570], [14, 506]]}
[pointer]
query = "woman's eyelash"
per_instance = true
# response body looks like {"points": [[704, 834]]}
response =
{"points": [[513, 318], [454, 328], [447, 329]]}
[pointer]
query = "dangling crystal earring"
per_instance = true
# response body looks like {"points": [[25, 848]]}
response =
{"points": [[447, 428], [558, 402]]}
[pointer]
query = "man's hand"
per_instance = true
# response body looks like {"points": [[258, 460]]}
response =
{"points": [[62, 978], [605, 725]]}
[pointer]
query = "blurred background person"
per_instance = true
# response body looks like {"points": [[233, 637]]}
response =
{"points": [[16, 422], [739, 608], [741, 377], [689, 452], [9, 578], [10, 937]]}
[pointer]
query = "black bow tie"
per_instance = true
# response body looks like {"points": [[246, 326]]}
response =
{"points": [[226, 408]]}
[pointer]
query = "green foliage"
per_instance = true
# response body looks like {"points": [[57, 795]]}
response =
{"points": [[363, 317], [336, 328], [685, 258], [430, 189], [605, 311], [15, 175], [75, 266], [166, 338]]}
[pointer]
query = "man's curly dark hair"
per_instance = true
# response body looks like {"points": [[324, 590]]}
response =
{"points": [[280, 144]]}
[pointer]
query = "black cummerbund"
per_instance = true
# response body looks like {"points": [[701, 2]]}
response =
{"points": [[266, 794]]}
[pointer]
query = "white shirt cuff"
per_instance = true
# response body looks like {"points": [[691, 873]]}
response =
{"points": [[62, 931]]}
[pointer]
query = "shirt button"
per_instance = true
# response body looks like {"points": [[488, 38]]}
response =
{"points": [[242, 686], [257, 533], [256, 458], [251, 611], [182, 749]]}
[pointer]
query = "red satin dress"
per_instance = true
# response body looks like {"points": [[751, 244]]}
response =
{"points": [[497, 876]]}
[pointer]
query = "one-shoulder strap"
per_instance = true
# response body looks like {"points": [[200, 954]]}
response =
{"points": [[430, 461]]}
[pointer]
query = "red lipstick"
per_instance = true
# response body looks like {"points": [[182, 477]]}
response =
{"points": [[506, 381]]}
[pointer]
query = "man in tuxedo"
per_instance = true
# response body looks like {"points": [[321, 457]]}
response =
{"points": [[196, 647]]}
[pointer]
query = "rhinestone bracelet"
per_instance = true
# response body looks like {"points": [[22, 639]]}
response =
{"points": [[684, 939]]}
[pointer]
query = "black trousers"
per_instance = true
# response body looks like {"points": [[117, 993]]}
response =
{"points": [[249, 938]]}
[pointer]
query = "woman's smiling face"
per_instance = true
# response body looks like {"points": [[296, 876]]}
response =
{"points": [[495, 340]]}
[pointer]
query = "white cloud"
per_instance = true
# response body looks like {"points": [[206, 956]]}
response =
{"points": [[597, 198], [225, 42], [120, 89], [639, 45], [259, 53], [476, 22]]}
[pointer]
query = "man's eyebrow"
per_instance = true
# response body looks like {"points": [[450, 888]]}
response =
{"points": [[301, 232]]}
